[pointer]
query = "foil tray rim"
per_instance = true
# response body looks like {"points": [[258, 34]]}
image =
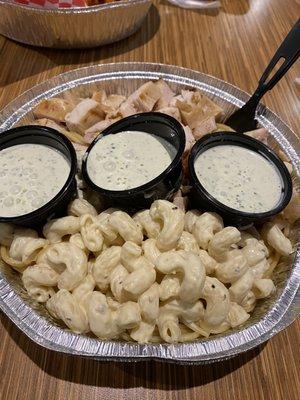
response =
{"points": [[280, 315]]}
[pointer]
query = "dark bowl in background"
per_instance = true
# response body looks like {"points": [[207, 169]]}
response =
{"points": [[203, 200], [49, 137], [161, 187]]}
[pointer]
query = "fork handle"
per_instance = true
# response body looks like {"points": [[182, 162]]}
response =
{"points": [[289, 51]]}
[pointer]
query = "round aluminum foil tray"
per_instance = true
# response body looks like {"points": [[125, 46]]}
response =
{"points": [[72, 27], [269, 317]]}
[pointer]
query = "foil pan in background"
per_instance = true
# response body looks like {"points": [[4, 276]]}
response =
{"points": [[270, 316], [72, 27]]}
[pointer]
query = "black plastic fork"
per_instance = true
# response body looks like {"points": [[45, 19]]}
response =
{"points": [[243, 120]]}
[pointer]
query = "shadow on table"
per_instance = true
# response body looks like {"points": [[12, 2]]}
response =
{"points": [[148, 374], [45, 59]]}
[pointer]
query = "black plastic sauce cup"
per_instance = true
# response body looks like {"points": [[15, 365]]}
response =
{"points": [[203, 200], [49, 137], [161, 187]]}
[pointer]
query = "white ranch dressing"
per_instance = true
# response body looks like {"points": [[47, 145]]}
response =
{"points": [[126, 160], [30, 176], [239, 178]]}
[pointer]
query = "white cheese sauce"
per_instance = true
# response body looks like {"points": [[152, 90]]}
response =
{"points": [[30, 176], [126, 160], [239, 178]]}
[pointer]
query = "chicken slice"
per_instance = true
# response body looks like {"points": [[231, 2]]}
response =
{"points": [[209, 107], [95, 130], [180, 201], [99, 96], [189, 142], [115, 100], [54, 109], [283, 156], [127, 108], [111, 103], [173, 102], [73, 136], [166, 94], [187, 95], [259, 134], [223, 128], [172, 111], [86, 114], [199, 109], [80, 150], [189, 139], [207, 125], [142, 100]]}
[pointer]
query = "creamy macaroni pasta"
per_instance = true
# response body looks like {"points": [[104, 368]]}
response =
{"points": [[159, 275]]}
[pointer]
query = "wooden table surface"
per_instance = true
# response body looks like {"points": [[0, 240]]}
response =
{"points": [[234, 44]]}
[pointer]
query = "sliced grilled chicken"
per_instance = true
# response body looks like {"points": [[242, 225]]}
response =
{"points": [[54, 109], [95, 130], [207, 125], [86, 114], [172, 111], [166, 94], [142, 100], [73, 136]]}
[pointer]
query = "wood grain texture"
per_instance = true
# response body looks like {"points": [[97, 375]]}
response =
{"points": [[234, 44]]}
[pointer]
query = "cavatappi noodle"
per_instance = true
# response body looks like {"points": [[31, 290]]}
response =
{"points": [[159, 275]]}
